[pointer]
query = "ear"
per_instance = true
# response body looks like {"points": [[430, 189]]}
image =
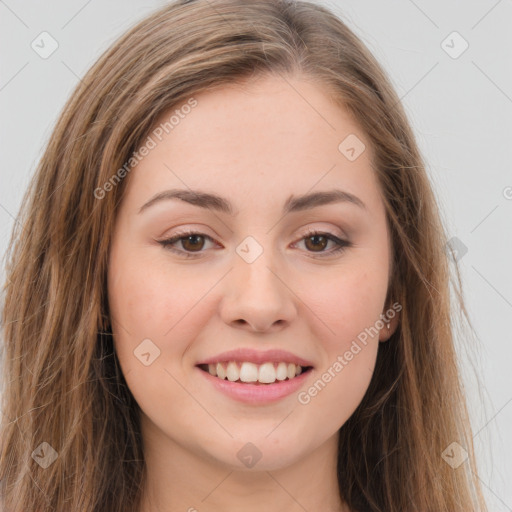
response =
{"points": [[385, 332]]}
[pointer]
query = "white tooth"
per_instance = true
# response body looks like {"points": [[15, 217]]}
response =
{"points": [[232, 371], [282, 371], [267, 373], [221, 372], [291, 370], [212, 370], [248, 372], [298, 370]]}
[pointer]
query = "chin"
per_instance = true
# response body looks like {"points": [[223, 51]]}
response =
{"points": [[259, 452]]}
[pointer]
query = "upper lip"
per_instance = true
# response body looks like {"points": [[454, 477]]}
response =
{"points": [[257, 357]]}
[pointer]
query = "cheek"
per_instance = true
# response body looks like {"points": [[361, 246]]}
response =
{"points": [[346, 303], [141, 294], [148, 301], [348, 306]]}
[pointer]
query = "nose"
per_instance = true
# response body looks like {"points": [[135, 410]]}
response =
{"points": [[257, 296]]}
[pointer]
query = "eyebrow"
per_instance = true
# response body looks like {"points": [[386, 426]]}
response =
{"points": [[221, 204]]}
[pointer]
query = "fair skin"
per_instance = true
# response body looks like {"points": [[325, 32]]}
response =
{"points": [[254, 144]]}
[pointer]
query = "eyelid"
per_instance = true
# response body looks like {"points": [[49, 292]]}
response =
{"points": [[341, 243]]}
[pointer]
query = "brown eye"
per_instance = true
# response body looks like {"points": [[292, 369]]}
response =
{"points": [[318, 242], [192, 242]]}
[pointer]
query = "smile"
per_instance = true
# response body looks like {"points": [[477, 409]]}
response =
{"points": [[255, 392], [251, 373]]}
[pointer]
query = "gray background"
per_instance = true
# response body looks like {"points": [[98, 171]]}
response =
{"points": [[460, 109]]}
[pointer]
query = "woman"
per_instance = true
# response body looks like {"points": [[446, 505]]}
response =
{"points": [[173, 341]]}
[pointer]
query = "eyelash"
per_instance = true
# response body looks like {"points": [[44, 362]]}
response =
{"points": [[167, 243]]}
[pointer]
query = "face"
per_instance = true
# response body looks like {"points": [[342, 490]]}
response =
{"points": [[256, 272]]}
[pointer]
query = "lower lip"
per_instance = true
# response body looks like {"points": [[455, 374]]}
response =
{"points": [[254, 393]]}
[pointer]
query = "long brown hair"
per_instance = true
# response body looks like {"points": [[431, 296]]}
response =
{"points": [[62, 386]]}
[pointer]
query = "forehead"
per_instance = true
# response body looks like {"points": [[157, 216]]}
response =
{"points": [[264, 137]]}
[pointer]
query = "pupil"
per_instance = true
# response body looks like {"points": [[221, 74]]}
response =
{"points": [[191, 237], [316, 237]]}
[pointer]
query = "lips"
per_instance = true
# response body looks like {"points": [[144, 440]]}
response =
{"points": [[255, 376], [248, 372], [256, 393], [241, 355]]}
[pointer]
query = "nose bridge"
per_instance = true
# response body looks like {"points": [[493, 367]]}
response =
{"points": [[257, 293], [255, 266]]}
